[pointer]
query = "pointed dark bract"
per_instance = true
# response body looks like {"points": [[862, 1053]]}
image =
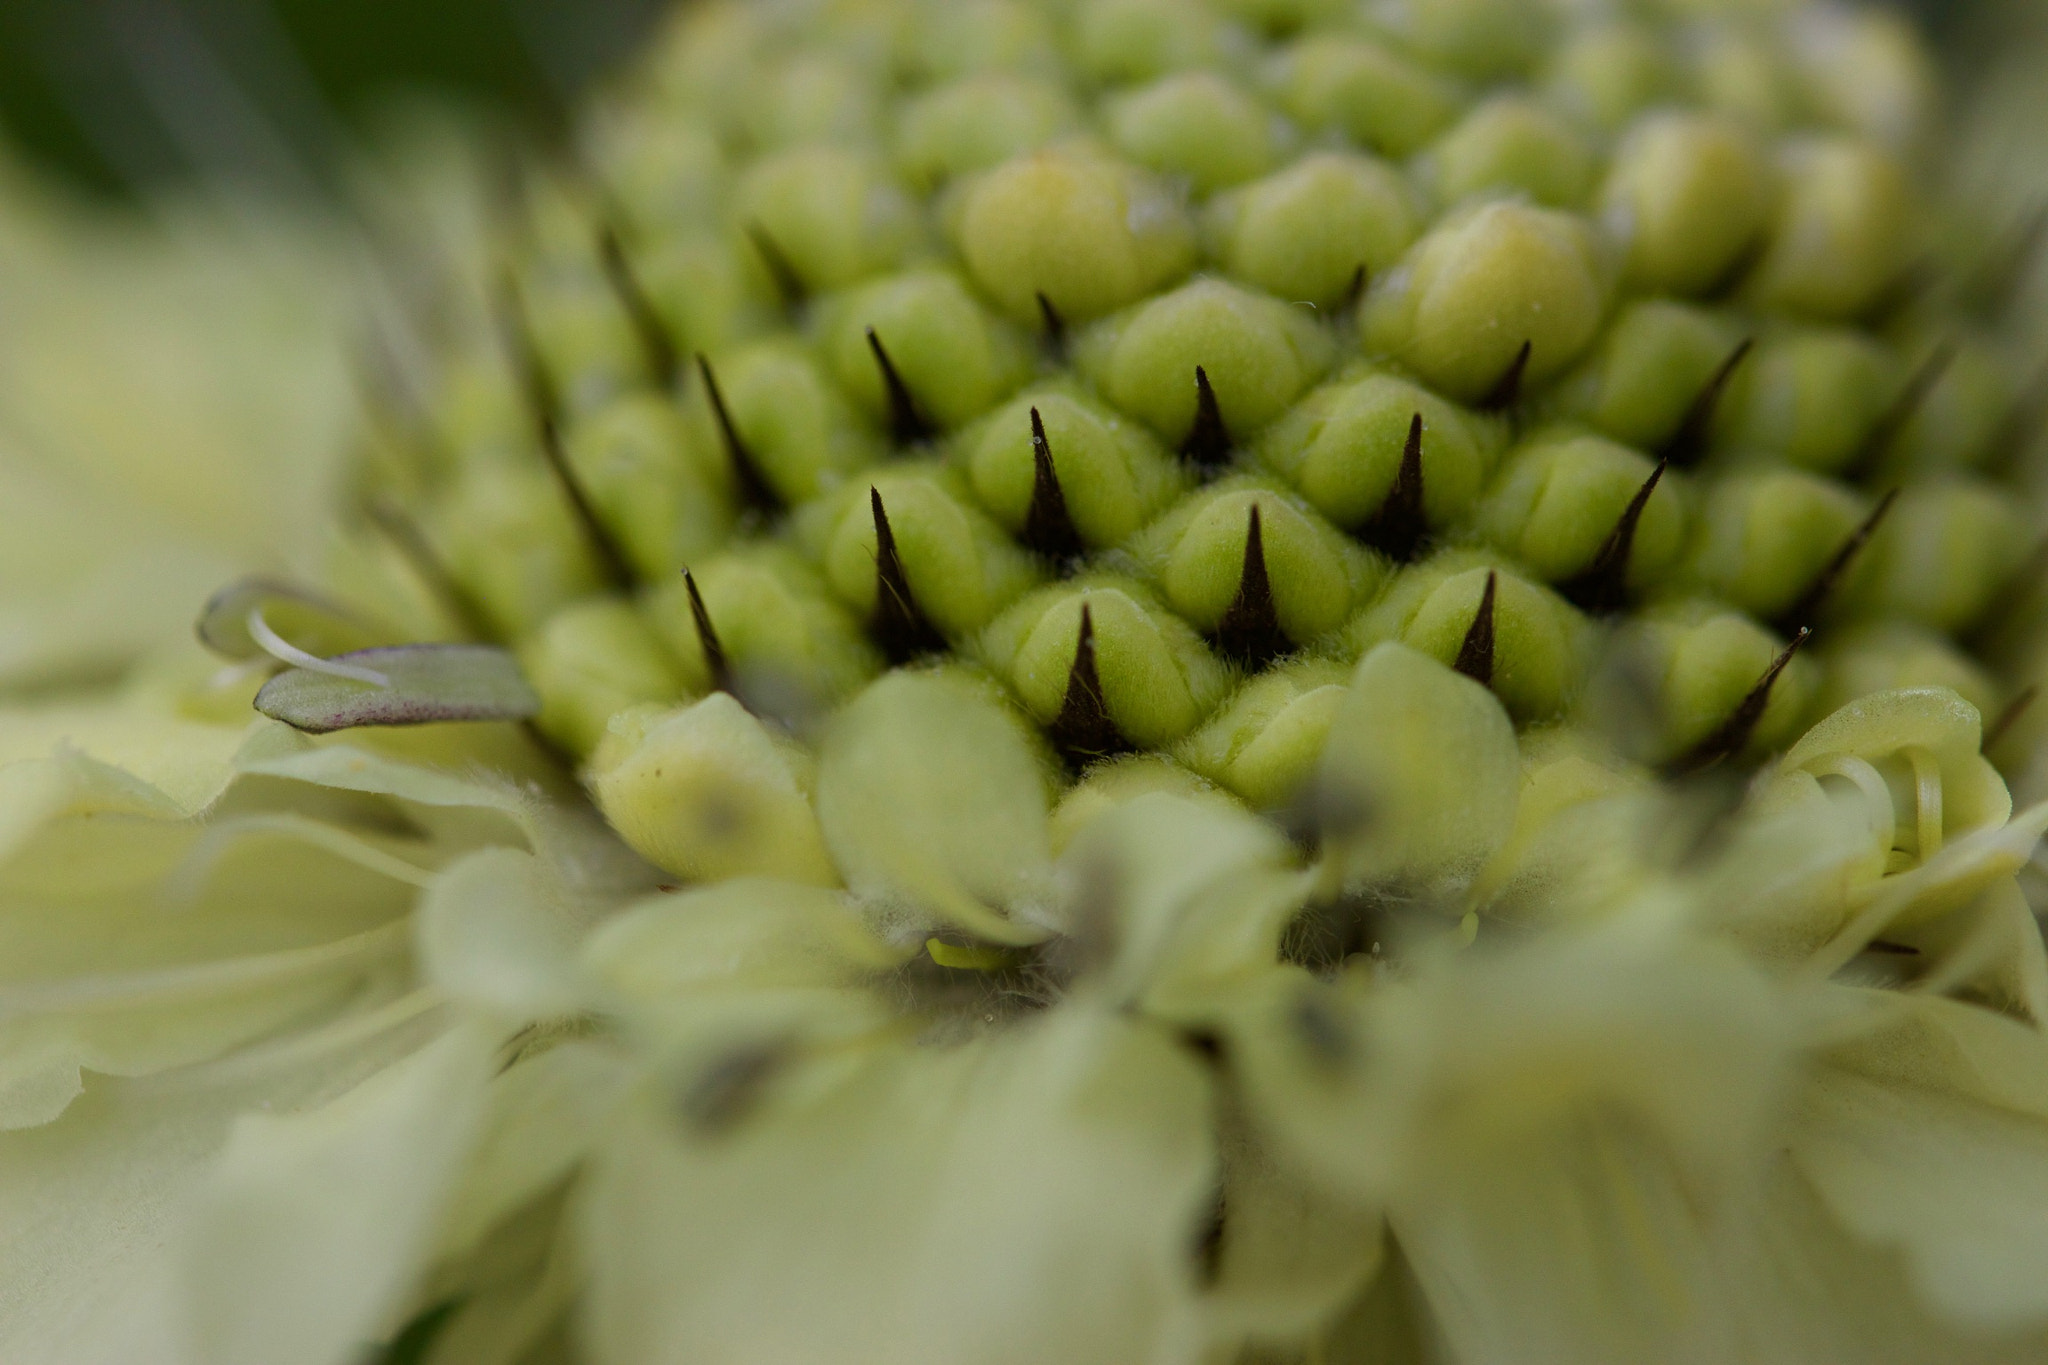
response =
{"points": [[1354, 290], [1689, 444], [907, 426], [405, 535], [1048, 528], [1055, 325], [1902, 411], [611, 560], [715, 661], [2014, 711], [1399, 528], [1603, 588], [788, 283], [1508, 391], [1207, 446], [1084, 731], [658, 347], [1735, 732], [1475, 655], [747, 478], [1806, 612], [1250, 632], [897, 624]]}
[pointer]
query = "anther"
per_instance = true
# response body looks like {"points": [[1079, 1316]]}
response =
{"points": [[753, 487], [659, 348], [1398, 529], [1806, 612], [715, 661], [1902, 411], [788, 283], [1250, 630], [1603, 588], [1508, 391], [1084, 730], [1689, 444], [907, 425], [1055, 325], [1475, 655], [1048, 528], [1735, 733], [898, 625], [1208, 442]]}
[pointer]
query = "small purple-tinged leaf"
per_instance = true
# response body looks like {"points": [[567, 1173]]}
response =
{"points": [[428, 683]]}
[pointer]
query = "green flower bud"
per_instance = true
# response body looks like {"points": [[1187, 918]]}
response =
{"points": [[1085, 232], [1764, 538], [1512, 143], [966, 37], [1689, 195], [1363, 91], [582, 337], [592, 660], [1811, 396], [1315, 231], [777, 636], [1859, 660], [1943, 555], [829, 216], [1536, 647], [1706, 670], [1843, 230], [1608, 71], [1961, 400], [1342, 447], [1120, 781], [1868, 71], [1198, 126], [1112, 476], [1304, 582], [1483, 286], [663, 498], [1154, 680], [1481, 38], [956, 565], [708, 792], [794, 429], [1265, 742], [513, 544], [1276, 17], [953, 359], [1257, 353], [709, 291], [978, 122], [1657, 363], [812, 98], [1119, 42], [1572, 508], [666, 170], [1739, 72], [1571, 857]]}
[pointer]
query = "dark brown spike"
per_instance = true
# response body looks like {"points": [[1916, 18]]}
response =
{"points": [[1399, 528], [715, 661], [1475, 655], [1207, 446], [1689, 444], [907, 425], [1250, 632], [1055, 325], [664, 366], [1806, 612], [405, 535], [1735, 732], [1507, 392], [612, 563], [1084, 730], [1902, 411], [788, 283], [899, 626], [1354, 289], [747, 478], [1048, 529], [2015, 710], [1603, 588]]}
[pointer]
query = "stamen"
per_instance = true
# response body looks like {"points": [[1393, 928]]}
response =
{"points": [[1250, 630], [1048, 528], [1902, 411], [1688, 445], [753, 486], [2015, 710], [1806, 612], [1208, 442], [788, 283], [1055, 325], [1508, 391], [1399, 527], [1084, 730], [284, 651], [648, 325], [715, 661], [1475, 655], [907, 425], [1735, 732], [1603, 588], [898, 625]]}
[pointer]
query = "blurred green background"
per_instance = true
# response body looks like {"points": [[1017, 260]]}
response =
{"points": [[122, 94]]}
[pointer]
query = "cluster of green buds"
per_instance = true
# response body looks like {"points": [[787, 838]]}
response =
{"points": [[1315, 406]]}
